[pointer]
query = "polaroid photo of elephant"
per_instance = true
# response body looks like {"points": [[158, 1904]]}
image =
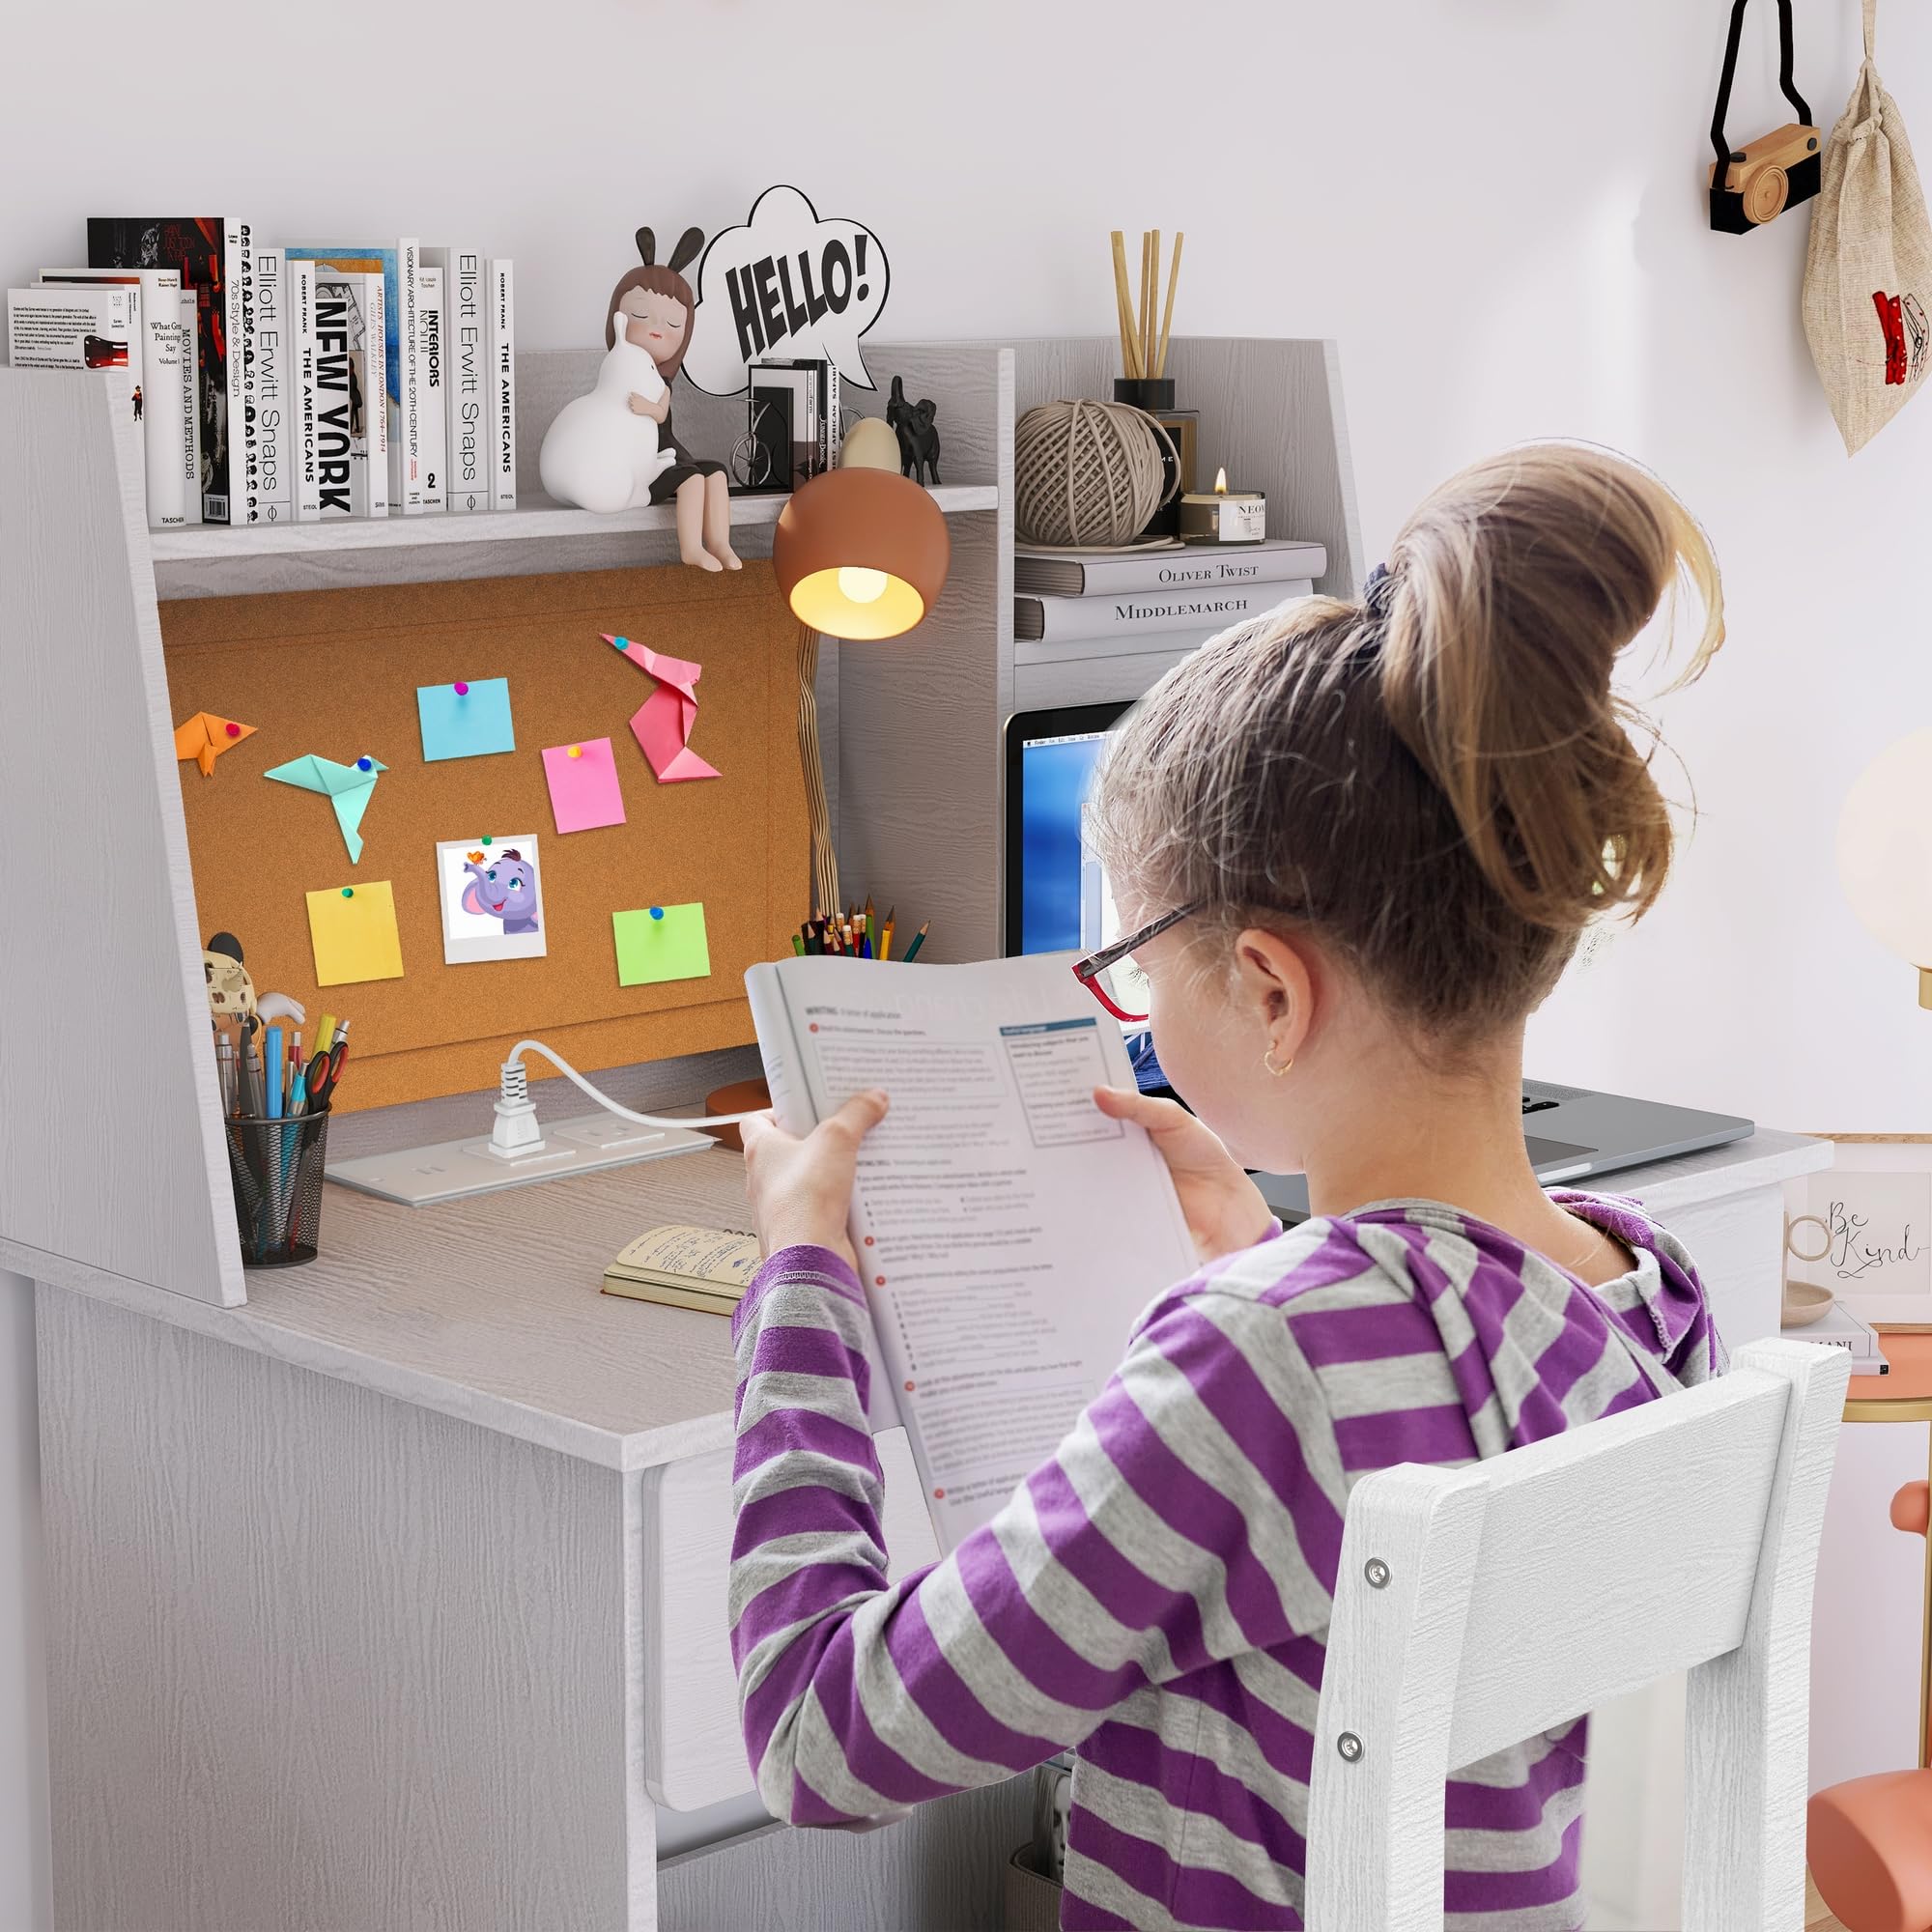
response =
{"points": [[492, 898]]}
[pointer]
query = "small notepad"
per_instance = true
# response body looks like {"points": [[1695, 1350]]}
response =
{"points": [[651, 951], [352, 930], [470, 723], [583, 788]]}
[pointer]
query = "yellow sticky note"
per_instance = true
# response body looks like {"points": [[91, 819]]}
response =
{"points": [[352, 929], [659, 943]]}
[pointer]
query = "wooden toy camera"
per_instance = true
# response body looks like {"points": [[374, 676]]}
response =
{"points": [[1755, 184], [1764, 178]]}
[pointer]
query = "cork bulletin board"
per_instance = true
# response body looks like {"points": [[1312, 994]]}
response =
{"points": [[335, 673]]}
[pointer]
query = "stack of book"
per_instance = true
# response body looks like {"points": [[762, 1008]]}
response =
{"points": [[706, 1268], [1161, 597], [1839, 1328], [290, 383], [793, 421]]}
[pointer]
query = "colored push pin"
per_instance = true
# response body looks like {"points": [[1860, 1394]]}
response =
{"points": [[349, 892], [486, 839], [657, 912], [364, 764], [232, 729], [461, 690], [577, 750]]}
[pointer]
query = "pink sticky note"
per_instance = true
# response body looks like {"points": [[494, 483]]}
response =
{"points": [[663, 722], [583, 788]]}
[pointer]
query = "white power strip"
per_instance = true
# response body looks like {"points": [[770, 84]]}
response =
{"points": [[453, 1170], [519, 1151]]}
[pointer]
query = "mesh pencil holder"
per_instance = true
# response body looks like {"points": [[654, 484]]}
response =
{"points": [[275, 1170]]}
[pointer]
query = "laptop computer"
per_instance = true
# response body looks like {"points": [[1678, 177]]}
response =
{"points": [[1057, 901]]}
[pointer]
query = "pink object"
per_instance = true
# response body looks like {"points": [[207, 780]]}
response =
{"points": [[664, 723], [234, 730], [583, 788], [1909, 1509], [1869, 1846], [463, 691]]}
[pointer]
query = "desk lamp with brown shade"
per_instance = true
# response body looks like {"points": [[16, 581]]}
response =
{"points": [[861, 553]]}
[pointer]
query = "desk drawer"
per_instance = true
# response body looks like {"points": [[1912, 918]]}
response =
{"points": [[694, 1753]]}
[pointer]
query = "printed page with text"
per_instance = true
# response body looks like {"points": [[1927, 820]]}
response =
{"points": [[1008, 1232]]}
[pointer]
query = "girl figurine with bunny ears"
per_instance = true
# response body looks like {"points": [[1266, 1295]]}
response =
{"points": [[614, 449]]}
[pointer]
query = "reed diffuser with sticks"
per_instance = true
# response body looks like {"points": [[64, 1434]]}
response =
{"points": [[1146, 323]]}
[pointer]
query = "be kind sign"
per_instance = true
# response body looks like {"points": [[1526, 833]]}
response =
{"points": [[785, 283], [1870, 1237]]}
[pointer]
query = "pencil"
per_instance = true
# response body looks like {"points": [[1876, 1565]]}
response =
{"points": [[918, 940], [871, 920], [886, 937], [798, 944]]}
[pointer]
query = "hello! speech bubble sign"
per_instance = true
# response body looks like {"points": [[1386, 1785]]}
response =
{"points": [[785, 283]]}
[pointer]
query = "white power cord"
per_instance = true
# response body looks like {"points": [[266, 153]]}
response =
{"points": [[516, 1135]]}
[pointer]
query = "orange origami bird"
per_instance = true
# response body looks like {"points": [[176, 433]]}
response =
{"points": [[204, 738]]}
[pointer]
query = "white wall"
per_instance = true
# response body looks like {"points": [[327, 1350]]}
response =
{"points": [[1496, 207], [24, 1733]]}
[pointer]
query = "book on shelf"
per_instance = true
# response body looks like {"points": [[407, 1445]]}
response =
{"points": [[80, 327], [707, 1268], [811, 389], [1201, 612], [384, 259], [307, 399], [197, 247], [270, 495], [1166, 570], [500, 297], [352, 434], [432, 432], [1011, 1233], [165, 420], [190, 344], [408, 467], [244, 429], [465, 477]]}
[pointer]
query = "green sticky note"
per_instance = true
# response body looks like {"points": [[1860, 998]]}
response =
{"points": [[650, 950]]}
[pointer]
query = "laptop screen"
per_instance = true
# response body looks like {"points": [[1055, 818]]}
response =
{"points": [[1056, 897]]}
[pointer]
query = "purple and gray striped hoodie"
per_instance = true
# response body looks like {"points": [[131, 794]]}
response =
{"points": [[1158, 1594]]}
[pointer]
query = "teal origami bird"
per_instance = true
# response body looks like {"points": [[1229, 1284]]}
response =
{"points": [[347, 787]]}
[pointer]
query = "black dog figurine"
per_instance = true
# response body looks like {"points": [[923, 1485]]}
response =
{"points": [[914, 424]]}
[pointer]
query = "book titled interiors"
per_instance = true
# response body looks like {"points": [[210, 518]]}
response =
{"points": [[1010, 1234]]}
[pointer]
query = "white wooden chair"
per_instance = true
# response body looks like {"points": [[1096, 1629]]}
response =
{"points": [[1476, 1607]]}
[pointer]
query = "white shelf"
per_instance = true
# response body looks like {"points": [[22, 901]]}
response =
{"points": [[213, 559]]}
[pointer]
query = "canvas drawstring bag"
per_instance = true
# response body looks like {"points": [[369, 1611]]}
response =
{"points": [[1868, 272]]}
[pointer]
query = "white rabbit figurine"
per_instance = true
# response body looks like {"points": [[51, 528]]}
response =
{"points": [[600, 453]]}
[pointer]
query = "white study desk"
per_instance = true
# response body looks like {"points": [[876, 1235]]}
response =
{"points": [[394, 1598]]}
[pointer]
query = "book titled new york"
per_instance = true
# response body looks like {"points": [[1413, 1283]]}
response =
{"points": [[197, 247], [1166, 571], [384, 259], [465, 375], [1067, 620], [352, 421]]}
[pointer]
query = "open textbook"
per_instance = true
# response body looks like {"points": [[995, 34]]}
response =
{"points": [[1009, 1234]]}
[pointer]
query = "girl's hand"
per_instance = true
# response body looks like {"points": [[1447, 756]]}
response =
{"points": [[1223, 1208], [802, 1189]]}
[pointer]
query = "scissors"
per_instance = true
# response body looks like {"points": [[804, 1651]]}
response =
{"points": [[324, 1072]]}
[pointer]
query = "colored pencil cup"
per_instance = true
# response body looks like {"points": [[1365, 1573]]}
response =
{"points": [[274, 1167]]}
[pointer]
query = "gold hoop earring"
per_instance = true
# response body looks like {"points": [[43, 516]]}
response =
{"points": [[1267, 1061]]}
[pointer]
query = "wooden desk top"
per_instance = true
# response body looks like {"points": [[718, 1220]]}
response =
{"points": [[489, 1309]]}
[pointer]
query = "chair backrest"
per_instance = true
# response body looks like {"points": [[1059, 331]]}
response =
{"points": [[1476, 1607]]}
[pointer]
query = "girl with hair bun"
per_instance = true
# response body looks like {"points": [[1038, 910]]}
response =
{"points": [[1353, 845]]}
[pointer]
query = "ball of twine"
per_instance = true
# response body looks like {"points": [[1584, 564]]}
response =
{"points": [[1088, 473]]}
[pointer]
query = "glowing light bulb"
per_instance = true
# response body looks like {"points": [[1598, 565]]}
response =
{"points": [[859, 585]]}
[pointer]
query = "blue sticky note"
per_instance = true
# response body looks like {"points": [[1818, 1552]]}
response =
{"points": [[466, 719]]}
